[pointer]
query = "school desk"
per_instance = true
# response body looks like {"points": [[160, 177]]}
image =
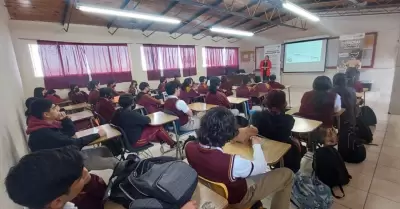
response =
{"points": [[76, 107], [201, 107], [80, 115], [111, 133], [64, 103], [304, 125], [273, 150], [237, 100]]}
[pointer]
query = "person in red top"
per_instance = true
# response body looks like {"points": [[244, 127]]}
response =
{"points": [[187, 91], [52, 96], [273, 84], [94, 94], [265, 68], [203, 88], [216, 97], [77, 96], [133, 88], [226, 86], [150, 103], [104, 106], [161, 86], [245, 91]]}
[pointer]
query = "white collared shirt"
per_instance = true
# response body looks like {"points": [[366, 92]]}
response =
{"points": [[69, 205], [243, 168], [180, 104], [338, 103]]}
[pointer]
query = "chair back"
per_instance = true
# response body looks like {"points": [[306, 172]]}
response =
{"points": [[217, 187], [123, 139]]}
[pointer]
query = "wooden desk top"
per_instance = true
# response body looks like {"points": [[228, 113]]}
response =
{"points": [[161, 118], [273, 150], [294, 110], [303, 125], [76, 106], [261, 94], [237, 100], [201, 107], [111, 133], [80, 115]]}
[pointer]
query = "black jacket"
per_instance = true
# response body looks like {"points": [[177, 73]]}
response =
{"points": [[47, 136], [131, 122]]}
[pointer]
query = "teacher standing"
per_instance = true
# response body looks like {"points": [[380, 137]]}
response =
{"points": [[265, 69]]}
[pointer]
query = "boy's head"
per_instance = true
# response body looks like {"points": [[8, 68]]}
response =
{"points": [[125, 100], [172, 88], [276, 100], [144, 86], [51, 92], [217, 127], [39, 92], [111, 84], [272, 77], [47, 178], [203, 79], [163, 79], [105, 92], [44, 109]]}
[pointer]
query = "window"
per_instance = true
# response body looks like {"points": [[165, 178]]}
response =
{"points": [[168, 60], [219, 59], [62, 64]]}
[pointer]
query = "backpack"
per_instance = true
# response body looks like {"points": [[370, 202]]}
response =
{"points": [[368, 116], [309, 193], [123, 170], [329, 167], [363, 131], [172, 183], [350, 147]]}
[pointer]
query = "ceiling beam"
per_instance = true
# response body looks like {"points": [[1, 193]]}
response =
{"points": [[166, 10], [65, 12], [251, 3], [123, 5], [197, 14]]}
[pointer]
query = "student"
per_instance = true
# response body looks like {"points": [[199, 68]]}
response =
{"points": [[274, 124], [161, 86], [49, 129], [77, 96], [94, 93], [265, 68], [112, 84], [226, 86], [176, 79], [52, 96], [133, 88], [104, 106], [218, 126], [187, 91], [28, 103], [144, 98], [203, 88], [216, 97], [136, 126], [39, 92], [348, 98], [57, 179], [187, 121], [245, 91], [320, 103], [273, 84]]}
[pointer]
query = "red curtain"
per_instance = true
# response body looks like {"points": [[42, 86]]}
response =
{"points": [[62, 64], [188, 59], [170, 60], [232, 57], [150, 55], [215, 61]]}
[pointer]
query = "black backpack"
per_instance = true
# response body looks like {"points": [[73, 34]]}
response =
{"points": [[330, 168], [363, 131], [350, 147], [368, 116]]}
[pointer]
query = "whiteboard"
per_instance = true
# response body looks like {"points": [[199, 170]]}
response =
{"points": [[259, 56]]}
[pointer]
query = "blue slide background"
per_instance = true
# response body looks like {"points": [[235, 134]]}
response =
{"points": [[302, 52]]}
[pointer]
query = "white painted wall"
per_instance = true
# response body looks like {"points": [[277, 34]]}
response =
{"points": [[12, 137], [26, 32], [388, 29]]}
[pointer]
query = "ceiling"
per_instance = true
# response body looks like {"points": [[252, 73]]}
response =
{"points": [[197, 16]]}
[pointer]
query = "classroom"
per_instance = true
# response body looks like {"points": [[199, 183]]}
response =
{"points": [[269, 89]]}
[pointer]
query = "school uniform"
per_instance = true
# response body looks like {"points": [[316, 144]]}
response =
{"points": [[180, 108], [232, 171], [261, 88], [78, 97], [91, 196], [188, 94], [150, 103], [105, 108], [227, 86], [54, 98], [245, 91], [202, 89], [349, 102], [94, 96], [220, 99], [161, 87], [276, 85]]}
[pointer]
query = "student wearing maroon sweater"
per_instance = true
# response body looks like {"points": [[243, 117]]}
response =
{"points": [[245, 91], [203, 88], [133, 89], [216, 97], [104, 106], [187, 91], [161, 86], [226, 86], [144, 98], [52, 96], [273, 84], [39, 92], [218, 126], [77, 96], [94, 93], [187, 121]]}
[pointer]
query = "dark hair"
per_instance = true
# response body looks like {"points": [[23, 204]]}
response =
{"points": [[38, 92], [217, 127], [321, 86], [51, 91], [143, 85], [28, 103], [105, 92], [202, 79], [162, 79], [186, 83], [245, 80], [339, 79], [272, 77], [41, 177], [110, 83], [72, 87], [276, 100], [215, 82], [351, 74], [125, 100], [40, 106], [92, 85], [224, 79], [171, 87], [132, 82]]}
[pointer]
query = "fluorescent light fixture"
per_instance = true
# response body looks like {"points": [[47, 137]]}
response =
{"points": [[231, 31], [125, 13], [300, 11]]}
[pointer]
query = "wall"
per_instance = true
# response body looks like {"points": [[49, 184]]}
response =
{"points": [[25, 33], [12, 137], [388, 29]]}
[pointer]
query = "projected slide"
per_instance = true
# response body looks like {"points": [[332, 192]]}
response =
{"points": [[307, 56]]}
